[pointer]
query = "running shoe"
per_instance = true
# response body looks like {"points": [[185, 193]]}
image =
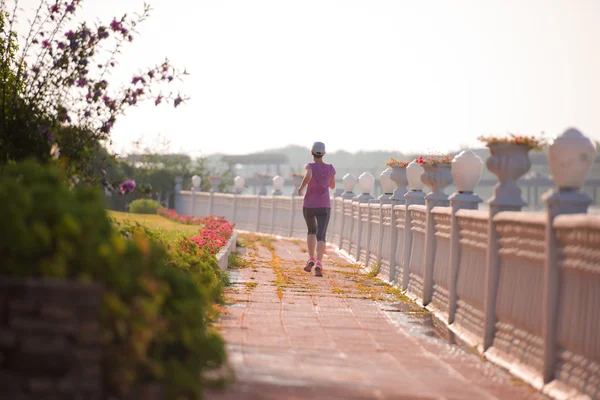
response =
{"points": [[319, 269], [309, 264]]}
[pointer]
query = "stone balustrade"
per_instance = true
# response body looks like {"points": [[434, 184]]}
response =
{"points": [[522, 288]]}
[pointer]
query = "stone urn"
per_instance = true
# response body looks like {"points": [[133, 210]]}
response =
{"points": [[263, 181], [365, 182], [437, 177], [349, 182], [278, 182], [508, 162], [467, 168], [215, 181], [196, 181], [178, 183], [238, 184], [400, 179], [387, 185], [571, 156], [413, 174]]}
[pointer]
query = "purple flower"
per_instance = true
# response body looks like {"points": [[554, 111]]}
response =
{"points": [[70, 8], [45, 43], [54, 8], [62, 45], [177, 101], [151, 74], [36, 69], [137, 79], [87, 114], [127, 186], [115, 25], [158, 100], [70, 35]]}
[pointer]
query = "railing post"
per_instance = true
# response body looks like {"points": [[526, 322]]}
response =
{"points": [[415, 196], [342, 224], [398, 176], [349, 182], [412, 197], [211, 200], [235, 201], [571, 157], [258, 213], [508, 162], [272, 214], [332, 216], [293, 211], [436, 178], [365, 182], [467, 168], [193, 201], [359, 228]]}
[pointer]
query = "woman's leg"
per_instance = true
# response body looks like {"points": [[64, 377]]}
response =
{"points": [[311, 225], [322, 223]]}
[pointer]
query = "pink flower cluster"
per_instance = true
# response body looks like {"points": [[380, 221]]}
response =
{"points": [[214, 234], [181, 218]]}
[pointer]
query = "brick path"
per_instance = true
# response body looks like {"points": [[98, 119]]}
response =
{"points": [[291, 335]]}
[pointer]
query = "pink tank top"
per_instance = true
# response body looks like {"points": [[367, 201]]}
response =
{"points": [[317, 191]]}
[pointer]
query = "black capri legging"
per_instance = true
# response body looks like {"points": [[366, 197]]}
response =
{"points": [[317, 220]]}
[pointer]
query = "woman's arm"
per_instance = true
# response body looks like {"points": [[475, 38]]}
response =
{"points": [[307, 177], [332, 182]]}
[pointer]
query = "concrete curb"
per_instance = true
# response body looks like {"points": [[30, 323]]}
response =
{"points": [[223, 254]]}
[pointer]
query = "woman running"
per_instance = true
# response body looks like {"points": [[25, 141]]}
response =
{"points": [[318, 179]]}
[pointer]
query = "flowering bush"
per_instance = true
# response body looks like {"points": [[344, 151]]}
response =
{"points": [[214, 234], [531, 142], [144, 206], [394, 162], [54, 86], [434, 160]]}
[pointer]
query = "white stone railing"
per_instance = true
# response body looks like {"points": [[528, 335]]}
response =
{"points": [[522, 288]]}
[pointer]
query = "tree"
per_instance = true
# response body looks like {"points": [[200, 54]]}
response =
{"points": [[57, 101]]}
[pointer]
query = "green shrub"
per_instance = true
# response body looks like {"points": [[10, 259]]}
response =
{"points": [[144, 206], [154, 316]]}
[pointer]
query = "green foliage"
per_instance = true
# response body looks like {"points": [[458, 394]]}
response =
{"points": [[236, 261], [144, 206], [155, 317], [185, 255]]}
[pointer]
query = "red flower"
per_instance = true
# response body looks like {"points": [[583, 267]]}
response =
{"points": [[420, 160]]}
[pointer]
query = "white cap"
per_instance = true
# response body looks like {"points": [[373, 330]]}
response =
{"points": [[318, 148]]}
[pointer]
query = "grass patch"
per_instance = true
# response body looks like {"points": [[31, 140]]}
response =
{"points": [[237, 261], [375, 270], [154, 222], [253, 241]]}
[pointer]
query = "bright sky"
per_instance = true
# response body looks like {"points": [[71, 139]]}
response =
{"points": [[364, 75]]}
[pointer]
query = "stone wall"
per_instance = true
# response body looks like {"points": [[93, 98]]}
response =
{"points": [[50, 340]]}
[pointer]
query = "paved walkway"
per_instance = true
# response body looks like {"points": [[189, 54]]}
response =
{"points": [[292, 335]]}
